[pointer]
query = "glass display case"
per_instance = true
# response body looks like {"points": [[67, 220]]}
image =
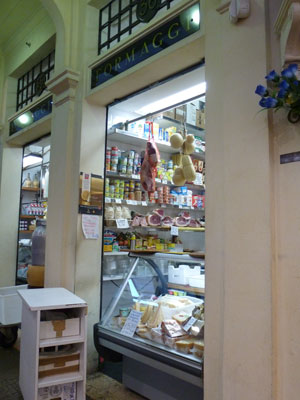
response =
{"points": [[161, 298]]}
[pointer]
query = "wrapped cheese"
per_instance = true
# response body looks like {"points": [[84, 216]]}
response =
{"points": [[171, 328]]}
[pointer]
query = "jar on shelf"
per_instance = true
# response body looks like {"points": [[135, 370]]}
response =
{"points": [[36, 182], [39, 243], [28, 181]]}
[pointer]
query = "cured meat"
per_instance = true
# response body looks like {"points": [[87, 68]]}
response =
{"points": [[153, 220], [181, 221], [136, 221], [194, 223], [167, 221], [160, 212], [185, 214], [148, 176], [143, 221]]}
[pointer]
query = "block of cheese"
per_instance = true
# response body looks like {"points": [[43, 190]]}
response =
{"points": [[171, 328], [181, 317]]}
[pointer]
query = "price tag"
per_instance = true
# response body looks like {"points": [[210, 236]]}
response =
{"points": [[134, 202], [107, 200], [122, 223], [135, 176], [129, 201], [131, 323], [180, 206], [157, 180], [144, 203], [118, 201], [165, 182], [189, 324], [163, 206], [174, 230]]}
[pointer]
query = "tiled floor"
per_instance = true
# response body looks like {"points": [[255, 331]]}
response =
{"points": [[99, 386]]}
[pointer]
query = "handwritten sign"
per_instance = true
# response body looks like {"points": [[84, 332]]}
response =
{"points": [[189, 324], [174, 230], [122, 223], [131, 323], [90, 226]]}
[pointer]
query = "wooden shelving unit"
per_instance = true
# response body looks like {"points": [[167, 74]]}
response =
{"points": [[30, 189], [35, 301]]}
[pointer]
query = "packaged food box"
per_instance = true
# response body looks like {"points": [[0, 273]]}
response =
{"points": [[59, 328], [65, 391], [58, 363]]}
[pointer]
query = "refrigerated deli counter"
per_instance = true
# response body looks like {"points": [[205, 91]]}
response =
{"points": [[155, 319]]}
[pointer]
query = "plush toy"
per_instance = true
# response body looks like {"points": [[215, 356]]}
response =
{"points": [[185, 172]]}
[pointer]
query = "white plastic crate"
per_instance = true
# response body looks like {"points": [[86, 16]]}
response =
{"points": [[11, 305], [181, 274]]}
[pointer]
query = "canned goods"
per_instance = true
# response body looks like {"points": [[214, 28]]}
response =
{"points": [[138, 195], [113, 168], [130, 162], [131, 154], [131, 195], [129, 170]]}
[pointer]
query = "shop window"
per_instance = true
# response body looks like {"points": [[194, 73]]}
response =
{"points": [[117, 20], [32, 84]]}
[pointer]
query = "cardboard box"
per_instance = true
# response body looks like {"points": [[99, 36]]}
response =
{"points": [[169, 113], [66, 391], [50, 364], [59, 328]]}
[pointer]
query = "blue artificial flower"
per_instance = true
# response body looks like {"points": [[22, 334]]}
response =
{"points": [[272, 76], [293, 68], [281, 94], [268, 102], [284, 85], [290, 71], [261, 90]]}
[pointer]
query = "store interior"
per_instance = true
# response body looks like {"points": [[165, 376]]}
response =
{"points": [[154, 241]]}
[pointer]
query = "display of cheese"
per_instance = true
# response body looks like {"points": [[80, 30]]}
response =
{"points": [[184, 346]]}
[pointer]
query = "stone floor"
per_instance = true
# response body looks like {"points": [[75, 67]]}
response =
{"points": [[98, 387]]}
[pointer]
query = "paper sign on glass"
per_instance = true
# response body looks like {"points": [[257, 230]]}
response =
{"points": [[131, 323], [174, 230]]}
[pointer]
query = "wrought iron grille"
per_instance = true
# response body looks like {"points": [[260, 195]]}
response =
{"points": [[117, 20], [29, 87]]}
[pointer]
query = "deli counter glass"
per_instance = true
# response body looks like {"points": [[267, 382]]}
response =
{"points": [[155, 319]]}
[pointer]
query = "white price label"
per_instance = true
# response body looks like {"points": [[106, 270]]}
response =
{"points": [[129, 201], [118, 201], [174, 230], [134, 202], [164, 181], [157, 180], [144, 203], [189, 324], [122, 223], [135, 176], [107, 200], [180, 206], [131, 323], [163, 206]]}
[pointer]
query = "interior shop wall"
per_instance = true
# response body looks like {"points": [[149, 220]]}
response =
{"points": [[238, 335], [36, 31]]}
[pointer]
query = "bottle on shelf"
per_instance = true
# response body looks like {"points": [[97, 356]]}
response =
{"points": [[28, 181], [36, 182]]}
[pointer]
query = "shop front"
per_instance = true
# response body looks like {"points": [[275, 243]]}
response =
{"points": [[247, 242]]}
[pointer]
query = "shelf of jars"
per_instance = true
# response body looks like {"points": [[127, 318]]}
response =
{"points": [[164, 182], [154, 228], [133, 139], [109, 200]]}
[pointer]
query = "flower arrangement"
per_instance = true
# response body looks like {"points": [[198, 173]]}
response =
{"points": [[283, 92]]}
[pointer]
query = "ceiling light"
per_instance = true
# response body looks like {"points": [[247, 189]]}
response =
{"points": [[176, 98], [24, 119], [31, 159]]}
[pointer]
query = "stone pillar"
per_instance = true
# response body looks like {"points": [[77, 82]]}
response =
{"points": [[238, 334], [63, 181]]}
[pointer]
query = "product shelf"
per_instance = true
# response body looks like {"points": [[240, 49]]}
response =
{"points": [[162, 228], [123, 136], [30, 189], [187, 288], [133, 177], [60, 379], [61, 341]]}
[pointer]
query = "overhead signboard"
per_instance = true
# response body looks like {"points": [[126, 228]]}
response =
{"points": [[178, 28]]}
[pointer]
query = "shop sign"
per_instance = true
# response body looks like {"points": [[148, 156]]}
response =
{"points": [[180, 27], [30, 116]]}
